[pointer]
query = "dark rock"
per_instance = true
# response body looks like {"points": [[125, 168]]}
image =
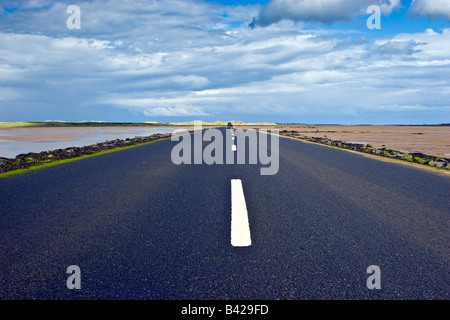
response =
{"points": [[438, 164], [27, 160]]}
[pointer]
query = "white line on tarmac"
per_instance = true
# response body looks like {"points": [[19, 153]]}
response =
{"points": [[233, 146], [240, 228]]}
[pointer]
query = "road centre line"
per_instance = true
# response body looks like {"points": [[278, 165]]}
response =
{"points": [[233, 146], [240, 228]]}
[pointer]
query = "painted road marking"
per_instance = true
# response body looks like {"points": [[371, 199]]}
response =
{"points": [[233, 146], [240, 228]]}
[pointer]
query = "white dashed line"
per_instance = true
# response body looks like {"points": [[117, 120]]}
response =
{"points": [[233, 146], [240, 228]]}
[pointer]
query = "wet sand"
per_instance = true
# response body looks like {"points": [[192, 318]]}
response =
{"points": [[431, 140], [14, 141]]}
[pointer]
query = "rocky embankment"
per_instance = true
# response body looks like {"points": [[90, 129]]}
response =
{"points": [[24, 161], [415, 157]]}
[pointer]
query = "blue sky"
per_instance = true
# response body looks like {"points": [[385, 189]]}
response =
{"points": [[281, 61]]}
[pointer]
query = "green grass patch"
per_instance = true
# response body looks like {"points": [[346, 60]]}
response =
{"points": [[18, 124], [419, 160], [408, 157]]}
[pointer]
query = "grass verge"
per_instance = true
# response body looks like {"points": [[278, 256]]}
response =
{"points": [[411, 163], [51, 163]]}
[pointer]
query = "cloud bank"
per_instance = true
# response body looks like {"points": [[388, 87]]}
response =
{"points": [[430, 8], [323, 11], [179, 60]]}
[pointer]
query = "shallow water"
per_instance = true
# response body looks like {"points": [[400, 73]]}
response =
{"points": [[15, 141]]}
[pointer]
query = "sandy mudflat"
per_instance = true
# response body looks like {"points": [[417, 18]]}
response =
{"points": [[14, 141], [431, 140], [66, 133]]}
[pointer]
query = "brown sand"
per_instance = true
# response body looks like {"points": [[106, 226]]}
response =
{"points": [[431, 140]]}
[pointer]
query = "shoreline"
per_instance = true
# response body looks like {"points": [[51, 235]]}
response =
{"points": [[32, 160], [22, 140]]}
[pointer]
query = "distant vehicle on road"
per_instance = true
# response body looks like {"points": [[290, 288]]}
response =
{"points": [[230, 125]]}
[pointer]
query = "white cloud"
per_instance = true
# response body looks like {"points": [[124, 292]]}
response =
{"points": [[324, 11], [151, 104], [431, 8], [391, 48], [181, 110]]}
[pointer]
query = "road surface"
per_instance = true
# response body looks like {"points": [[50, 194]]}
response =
{"points": [[140, 227]]}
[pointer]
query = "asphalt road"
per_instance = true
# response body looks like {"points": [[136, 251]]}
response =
{"points": [[140, 227]]}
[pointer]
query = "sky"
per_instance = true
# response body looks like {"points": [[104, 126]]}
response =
{"points": [[285, 61]]}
